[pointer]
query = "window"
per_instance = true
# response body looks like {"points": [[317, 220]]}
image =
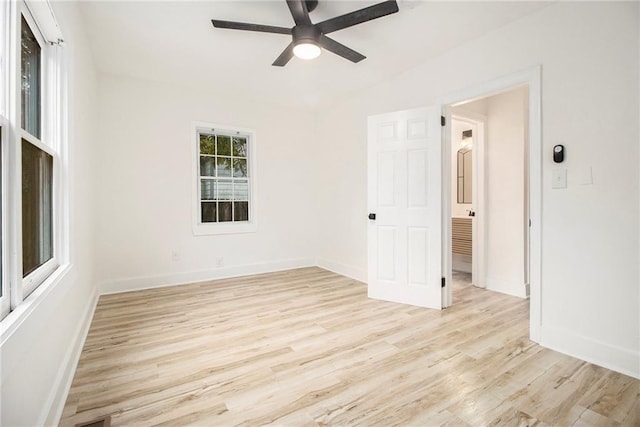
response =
{"points": [[31, 135], [4, 84], [225, 187], [37, 208], [30, 67], [37, 161]]}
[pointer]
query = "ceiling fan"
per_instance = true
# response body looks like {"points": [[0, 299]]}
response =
{"points": [[309, 38]]}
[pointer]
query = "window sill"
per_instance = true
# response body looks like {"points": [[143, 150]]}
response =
{"points": [[14, 319], [213, 229]]}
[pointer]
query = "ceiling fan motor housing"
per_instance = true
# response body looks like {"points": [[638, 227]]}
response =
{"points": [[306, 34], [311, 5]]}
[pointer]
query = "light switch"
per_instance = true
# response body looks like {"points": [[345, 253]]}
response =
{"points": [[559, 178]]}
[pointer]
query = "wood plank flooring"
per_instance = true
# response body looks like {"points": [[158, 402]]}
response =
{"points": [[306, 348]]}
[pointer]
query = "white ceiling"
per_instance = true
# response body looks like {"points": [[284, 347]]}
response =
{"points": [[175, 42]]}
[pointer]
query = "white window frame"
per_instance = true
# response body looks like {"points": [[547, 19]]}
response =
{"points": [[47, 143], [5, 305], [200, 228], [5, 302], [22, 292]]}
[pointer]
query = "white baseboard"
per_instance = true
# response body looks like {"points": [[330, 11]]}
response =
{"points": [[608, 356], [58, 396], [509, 288], [139, 283], [344, 270]]}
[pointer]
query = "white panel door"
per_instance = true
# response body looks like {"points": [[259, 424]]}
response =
{"points": [[404, 194]]}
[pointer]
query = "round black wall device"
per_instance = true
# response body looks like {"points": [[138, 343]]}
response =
{"points": [[558, 153]]}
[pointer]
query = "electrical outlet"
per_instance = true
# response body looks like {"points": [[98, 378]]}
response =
{"points": [[220, 261], [175, 255]]}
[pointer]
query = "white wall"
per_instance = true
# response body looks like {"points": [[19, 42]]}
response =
{"points": [[144, 182], [505, 195], [590, 281], [38, 358]]}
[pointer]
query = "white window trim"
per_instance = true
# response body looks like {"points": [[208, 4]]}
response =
{"points": [[203, 229], [5, 304], [48, 143], [25, 294]]}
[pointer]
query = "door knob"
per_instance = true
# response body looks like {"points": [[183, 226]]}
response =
{"points": [[372, 216], [471, 213]]}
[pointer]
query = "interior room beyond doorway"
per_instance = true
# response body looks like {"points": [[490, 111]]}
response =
{"points": [[489, 191]]}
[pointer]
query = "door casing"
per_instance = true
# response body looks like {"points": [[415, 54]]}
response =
{"points": [[531, 77]]}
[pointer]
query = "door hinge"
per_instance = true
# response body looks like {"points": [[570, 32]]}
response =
{"points": [[443, 121], [443, 282]]}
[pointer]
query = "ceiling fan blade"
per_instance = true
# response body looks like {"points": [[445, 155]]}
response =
{"points": [[358, 17], [299, 12], [284, 57], [250, 27], [340, 49]]}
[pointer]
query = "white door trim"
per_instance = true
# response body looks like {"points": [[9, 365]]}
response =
{"points": [[532, 77]]}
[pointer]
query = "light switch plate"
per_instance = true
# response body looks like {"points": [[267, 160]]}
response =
{"points": [[559, 178]]}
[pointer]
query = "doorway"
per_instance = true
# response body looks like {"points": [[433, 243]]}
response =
{"points": [[489, 221], [529, 221], [409, 170]]}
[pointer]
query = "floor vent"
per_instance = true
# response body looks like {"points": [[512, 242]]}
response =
{"points": [[100, 422]]}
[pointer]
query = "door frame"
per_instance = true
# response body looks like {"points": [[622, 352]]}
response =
{"points": [[531, 77]]}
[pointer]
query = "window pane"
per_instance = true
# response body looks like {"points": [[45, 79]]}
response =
{"points": [[30, 62], [239, 147], [224, 166], [241, 211], [240, 168], [224, 145], [37, 231], [225, 189], [208, 211], [207, 144], [241, 190], [224, 212], [207, 166], [207, 189]]}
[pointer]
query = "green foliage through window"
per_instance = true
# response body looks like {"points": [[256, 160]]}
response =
{"points": [[224, 178]]}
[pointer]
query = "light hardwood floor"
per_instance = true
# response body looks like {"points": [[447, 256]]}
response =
{"points": [[306, 347]]}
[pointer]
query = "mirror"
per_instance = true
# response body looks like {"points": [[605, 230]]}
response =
{"points": [[464, 175]]}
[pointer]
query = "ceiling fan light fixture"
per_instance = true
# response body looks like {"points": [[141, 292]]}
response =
{"points": [[307, 50], [309, 39]]}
